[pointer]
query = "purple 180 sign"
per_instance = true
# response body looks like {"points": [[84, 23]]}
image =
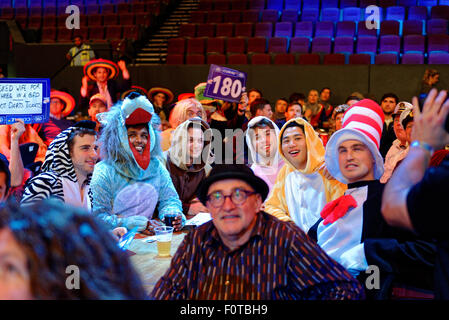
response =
{"points": [[225, 84]]}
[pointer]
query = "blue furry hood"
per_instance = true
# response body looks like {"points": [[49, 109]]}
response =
{"points": [[115, 149]]}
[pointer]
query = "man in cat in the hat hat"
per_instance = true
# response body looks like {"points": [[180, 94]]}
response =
{"points": [[103, 73], [351, 229]]}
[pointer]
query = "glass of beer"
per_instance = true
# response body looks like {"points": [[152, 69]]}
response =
{"points": [[163, 238]]}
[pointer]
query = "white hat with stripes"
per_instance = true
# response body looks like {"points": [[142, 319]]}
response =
{"points": [[362, 122]]}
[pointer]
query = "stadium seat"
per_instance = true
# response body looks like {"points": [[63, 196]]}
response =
{"points": [[218, 59], [289, 15], [310, 14], [195, 58], [345, 28], [417, 13], [292, 4], [263, 29], [110, 19], [205, 30], [126, 19], [366, 44], [334, 58], [277, 45], [304, 29], [299, 45], [389, 27], [269, 15], [412, 58], [283, 29], [215, 16], [351, 14], [386, 58], [257, 45], [275, 4], [314, 4], [244, 29], [438, 42], [359, 58], [438, 58], [412, 27], [198, 16], [348, 3], [344, 44], [321, 45], [235, 45], [390, 44], [284, 58], [195, 46], [363, 31], [176, 46], [260, 58], [324, 29], [234, 16], [330, 14], [215, 45], [436, 26], [414, 43], [395, 13], [224, 29], [251, 16], [187, 30], [94, 20], [238, 59], [309, 58], [173, 59], [439, 12]]}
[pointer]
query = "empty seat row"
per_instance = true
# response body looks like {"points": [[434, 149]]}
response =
{"points": [[371, 45], [298, 4], [97, 34], [311, 29], [327, 14], [91, 20], [139, 7], [310, 58]]}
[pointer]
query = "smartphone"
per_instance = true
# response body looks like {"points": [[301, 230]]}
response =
{"points": [[422, 98]]}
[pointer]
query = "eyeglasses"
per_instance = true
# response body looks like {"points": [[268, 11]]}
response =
{"points": [[238, 197]]}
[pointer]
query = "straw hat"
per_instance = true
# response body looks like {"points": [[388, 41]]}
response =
{"points": [[107, 64], [66, 98]]}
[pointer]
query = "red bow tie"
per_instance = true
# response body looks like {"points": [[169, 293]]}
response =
{"points": [[338, 208]]}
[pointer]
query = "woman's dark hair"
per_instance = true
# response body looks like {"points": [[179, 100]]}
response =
{"points": [[55, 236]]}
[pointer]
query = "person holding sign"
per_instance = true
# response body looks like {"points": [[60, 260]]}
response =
{"points": [[30, 135], [67, 169], [103, 73]]}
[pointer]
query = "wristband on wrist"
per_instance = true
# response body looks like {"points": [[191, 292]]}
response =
{"points": [[423, 145]]}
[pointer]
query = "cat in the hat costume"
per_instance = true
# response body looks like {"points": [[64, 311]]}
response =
{"points": [[351, 229]]}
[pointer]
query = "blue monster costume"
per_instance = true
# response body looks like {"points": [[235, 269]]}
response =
{"points": [[126, 188]]}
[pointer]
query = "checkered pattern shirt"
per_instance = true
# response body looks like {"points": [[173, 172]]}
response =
{"points": [[279, 261]]}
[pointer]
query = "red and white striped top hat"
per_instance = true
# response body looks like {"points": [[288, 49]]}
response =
{"points": [[362, 122]]}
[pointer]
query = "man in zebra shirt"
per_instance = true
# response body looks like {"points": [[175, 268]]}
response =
{"points": [[67, 168]]}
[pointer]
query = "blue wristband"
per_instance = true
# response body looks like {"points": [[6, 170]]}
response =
{"points": [[423, 145]]}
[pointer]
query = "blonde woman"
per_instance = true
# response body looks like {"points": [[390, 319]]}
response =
{"points": [[183, 110]]}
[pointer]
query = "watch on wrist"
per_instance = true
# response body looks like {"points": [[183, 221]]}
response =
{"points": [[423, 145]]}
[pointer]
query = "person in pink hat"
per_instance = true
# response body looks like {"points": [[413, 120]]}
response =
{"points": [[351, 229]]}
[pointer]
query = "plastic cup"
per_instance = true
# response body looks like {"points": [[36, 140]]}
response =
{"points": [[163, 237]]}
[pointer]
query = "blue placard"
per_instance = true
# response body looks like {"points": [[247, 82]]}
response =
{"points": [[225, 83], [26, 99]]}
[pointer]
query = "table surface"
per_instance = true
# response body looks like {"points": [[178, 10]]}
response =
{"points": [[149, 266]]}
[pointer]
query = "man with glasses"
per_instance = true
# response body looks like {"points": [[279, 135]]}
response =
{"points": [[247, 254]]}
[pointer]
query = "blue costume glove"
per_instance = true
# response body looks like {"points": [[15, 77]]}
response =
{"points": [[135, 221]]}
